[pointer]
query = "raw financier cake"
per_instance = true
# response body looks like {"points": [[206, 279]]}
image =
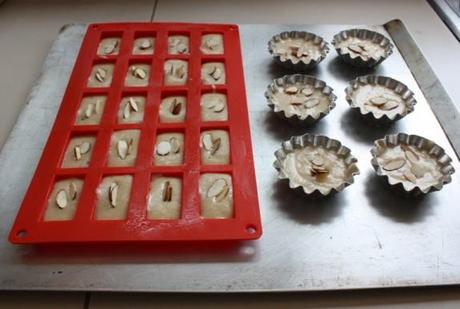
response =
{"points": [[380, 99], [411, 164], [300, 99], [298, 50], [316, 164], [216, 192], [164, 200]]}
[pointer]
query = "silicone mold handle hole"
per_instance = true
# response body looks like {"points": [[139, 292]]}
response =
{"points": [[21, 233], [251, 229]]}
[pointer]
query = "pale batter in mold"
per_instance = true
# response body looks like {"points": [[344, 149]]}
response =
{"points": [[164, 200], [137, 75], [113, 196], [215, 147], [169, 149], [144, 46], [91, 110], [409, 165], [379, 100], [109, 47], [123, 148], [175, 72], [297, 50], [131, 110], [316, 168], [365, 49], [101, 75], [178, 44], [173, 109], [63, 200], [212, 44], [79, 152], [216, 195], [213, 73], [214, 107], [301, 100]]}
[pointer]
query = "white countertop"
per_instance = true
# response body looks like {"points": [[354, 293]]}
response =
{"points": [[27, 29]]}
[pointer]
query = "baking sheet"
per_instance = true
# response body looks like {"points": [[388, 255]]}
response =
{"points": [[363, 237]]}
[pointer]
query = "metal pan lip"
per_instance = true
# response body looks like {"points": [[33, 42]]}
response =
{"points": [[365, 34], [307, 36], [294, 79], [398, 87], [299, 142], [421, 143]]}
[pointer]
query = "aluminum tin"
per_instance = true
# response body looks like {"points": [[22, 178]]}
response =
{"points": [[307, 36], [364, 34], [402, 90], [289, 80], [420, 143], [298, 142]]}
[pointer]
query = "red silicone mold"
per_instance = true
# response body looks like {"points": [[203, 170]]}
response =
{"points": [[30, 226]]}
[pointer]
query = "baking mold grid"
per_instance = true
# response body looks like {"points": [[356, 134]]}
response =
{"points": [[30, 226]]}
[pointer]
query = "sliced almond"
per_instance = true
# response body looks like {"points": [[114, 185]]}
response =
{"points": [[181, 48], [126, 111], [110, 48], [139, 73], [180, 71], [307, 91], [101, 74], [318, 170], [312, 102], [171, 69], [411, 156], [215, 145], [175, 144], [410, 176], [97, 107], [223, 194], [88, 111], [145, 44], [167, 192], [176, 107], [132, 102], [85, 147], [113, 194], [163, 148], [417, 170], [77, 153], [291, 90], [72, 191], [219, 106], [390, 105], [207, 141], [61, 199], [355, 48], [122, 149], [216, 73], [217, 187], [211, 43], [378, 101], [317, 161], [130, 146], [394, 164]]}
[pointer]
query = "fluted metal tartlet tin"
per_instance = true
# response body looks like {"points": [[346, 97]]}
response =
{"points": [[296, 79], [320, 141], [323, 47], [363, 34], [399, 88], [403, 187]]}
